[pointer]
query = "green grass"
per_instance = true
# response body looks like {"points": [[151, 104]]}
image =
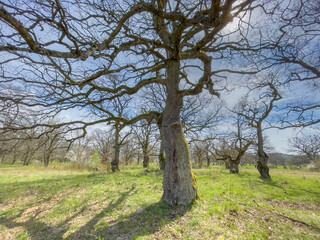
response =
{"points": [[62, 203]]}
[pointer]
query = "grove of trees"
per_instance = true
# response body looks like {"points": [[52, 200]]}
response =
{"points": [[147, 72]]}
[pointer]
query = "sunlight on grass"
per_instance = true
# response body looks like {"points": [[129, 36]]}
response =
{"points": [[63, 203]]}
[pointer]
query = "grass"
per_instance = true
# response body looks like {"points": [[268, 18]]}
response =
{"points": [[62, 203]]}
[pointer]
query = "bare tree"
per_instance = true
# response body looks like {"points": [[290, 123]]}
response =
{"points": [[102, 140], [144, 134], [66, 52], [52, 142], [30, 144], [256, 113], [80, 153], [295, 36], [130, 150], [309, 146], [197, 114], [230, 150]]}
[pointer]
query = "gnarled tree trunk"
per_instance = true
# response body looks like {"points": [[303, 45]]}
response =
{"points": [[179, 183]]}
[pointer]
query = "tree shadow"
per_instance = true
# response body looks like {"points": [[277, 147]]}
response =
{"points": [[49, 186], [38, 230], [146, 172], [144, 221], [296, 189]]}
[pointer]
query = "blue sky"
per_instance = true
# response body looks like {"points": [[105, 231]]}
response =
{"points": [[296, 92]]}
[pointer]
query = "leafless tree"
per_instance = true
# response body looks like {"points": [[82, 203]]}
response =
{"points": [[52, 142], [144, 133], [102, 140], [256, 112], [296, 40], [198, 113], [308, 146], [80, 153], [130, 150], [63, 53], [232, 146], [33, 144]]}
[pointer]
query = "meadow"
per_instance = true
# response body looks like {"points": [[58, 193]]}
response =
{"points": [[60, 202]]}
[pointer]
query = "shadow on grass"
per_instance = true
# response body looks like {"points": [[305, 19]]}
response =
{"points": [[296, 189], [39, 230], [103, 225], [145, 221], [145, 173], [49, 186]]}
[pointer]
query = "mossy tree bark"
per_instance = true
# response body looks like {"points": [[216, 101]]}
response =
{"points": [[179, 183]]}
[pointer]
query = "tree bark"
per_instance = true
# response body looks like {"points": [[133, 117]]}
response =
{"points": [[14, 158], [146, 158], [47, 157], [162, 157], [262, 164], [200, 159], [115, 161], [46, 161], [179, 183], [227, 162], [208, 159], [234, 166]]}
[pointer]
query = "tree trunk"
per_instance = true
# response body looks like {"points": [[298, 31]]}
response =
{"points": [[200, 159], [162, 157], [208, 159], [146, 158], [46, 161], [26, 159], [14, 159], [115, 161], [47, 157], [179, 183], [227, 162], [262, 164], [234, 166]]}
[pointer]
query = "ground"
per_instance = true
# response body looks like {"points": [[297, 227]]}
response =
{"points": [[65, 203]]}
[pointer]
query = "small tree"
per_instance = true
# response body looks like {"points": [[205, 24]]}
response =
{"points": [[80, 154], [257, 111], [147, 140], [308, 146]]}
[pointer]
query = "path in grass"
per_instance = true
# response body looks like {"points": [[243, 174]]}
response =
{"points": [[38, 203]]}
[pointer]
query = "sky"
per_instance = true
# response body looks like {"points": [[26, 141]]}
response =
{"points": [[278, 138]]}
